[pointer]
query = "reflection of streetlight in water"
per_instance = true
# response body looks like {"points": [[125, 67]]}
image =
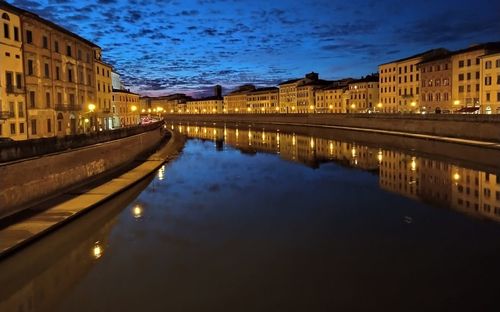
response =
{"points": [[137, 211], [97, 250]]}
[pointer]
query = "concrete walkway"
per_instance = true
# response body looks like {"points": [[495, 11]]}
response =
{"points": [[22, 233]]}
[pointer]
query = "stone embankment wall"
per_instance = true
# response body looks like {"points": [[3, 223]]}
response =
{"points": [[26, 182], [472, 127]]}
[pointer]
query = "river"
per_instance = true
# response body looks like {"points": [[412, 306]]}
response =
{"points": [[278, 219]]}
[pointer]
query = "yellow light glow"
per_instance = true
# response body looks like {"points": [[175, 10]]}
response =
{"points": [[413, 104], [214, 110], [380, 156], [293, 107], [237, 110], [91, 107], [457, 102], [97, 250], [311, 107], [311, 143], [330, 107], [149, 110], [456, 176], [262, 109], [379, 105], [133, 108], [353, 152], [353, 106], [413, 164], [86, 120], [277, 108], [137, 211], [143, 110], [249, 109], [171, 110]]}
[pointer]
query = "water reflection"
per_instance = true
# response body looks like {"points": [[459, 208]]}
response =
{"points": [[36, 278], [438, 182]]}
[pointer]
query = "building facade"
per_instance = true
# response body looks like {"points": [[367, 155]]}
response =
{"points": [[12, 91], [236, 101], [104, 93], [209, 105], [490, 80], [364, 95], [126, 104], [436, 85], [263, 100]]}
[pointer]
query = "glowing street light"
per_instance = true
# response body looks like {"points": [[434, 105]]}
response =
{"points": [[91, 107]]}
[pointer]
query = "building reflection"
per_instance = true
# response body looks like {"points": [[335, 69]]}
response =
{"points": [[436, 182], [36, 278]]}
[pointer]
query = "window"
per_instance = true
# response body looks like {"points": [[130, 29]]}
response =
{"points": [[497, 63], [70, 75], [461, 77], [469, 63], [46, 70], [478, 75], [56, 46], [5, 16], [59, 98], [461, 64], [20, 109], [469, 76], [45, 42], [487, 97], [33, 126], [21, 127], [16, 33], [30, 68], [6, 30], [47, 99], [29, 37], [487, 81], [68, 50], [79, 55], [498, 97], [19, 80], [58, 73], [461, 89], [8, 80], [498, 80], [49, 125], [71, 99], [487, 64], [12, 128], [32, 99]]}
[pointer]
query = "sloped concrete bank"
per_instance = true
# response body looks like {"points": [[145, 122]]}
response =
{"points": [[27, 182], [20, 234]]}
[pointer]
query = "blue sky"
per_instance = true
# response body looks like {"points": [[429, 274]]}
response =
{"points": [[167, 46]]}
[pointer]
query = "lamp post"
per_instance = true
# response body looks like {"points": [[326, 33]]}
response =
{"points": [[91, 108], [133, 108]]}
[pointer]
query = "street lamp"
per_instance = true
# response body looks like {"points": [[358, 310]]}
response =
{"points": [[91, 108], [133, 108]]}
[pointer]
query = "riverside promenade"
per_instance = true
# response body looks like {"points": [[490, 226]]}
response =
{"points": [[22, 233]]}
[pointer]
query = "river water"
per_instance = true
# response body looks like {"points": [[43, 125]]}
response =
{"points": [[270, 219]]}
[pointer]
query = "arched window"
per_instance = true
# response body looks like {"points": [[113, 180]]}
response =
{"points": [[5, 16]]}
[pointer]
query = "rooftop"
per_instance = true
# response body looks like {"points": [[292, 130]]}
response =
{"points": [[428, 53]]}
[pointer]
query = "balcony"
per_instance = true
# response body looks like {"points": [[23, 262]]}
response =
{"points": [[68, 108], [6, 115], [10, 89]]}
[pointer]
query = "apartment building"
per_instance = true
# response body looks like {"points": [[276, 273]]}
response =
{"points": [[208, 105], [436, 77], [12, 92], [400, 83], [236, 101], [490, 80], [263, 100], [467, 77], [104, 92], [126, 104], [364, 95]]}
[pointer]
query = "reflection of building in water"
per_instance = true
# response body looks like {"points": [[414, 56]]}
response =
{"points": [[399, 173], [290, 146], [435, 182], [476, 192], [43, 291]]}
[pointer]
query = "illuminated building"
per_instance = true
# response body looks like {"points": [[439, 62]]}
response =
{"points": [[490, 83], [127, 105], [436, 85], [364, 95], [12, 93], [263, 101], [236, 101], [104, 93]]}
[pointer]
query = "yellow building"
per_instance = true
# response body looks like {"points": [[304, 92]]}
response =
{"points": [[209, 105], [236, 101], [436, 76], [490, 80], [126, 104], [364, 95], [263, 101], [299, 95], [399, 173], [170, 104], [12, 93], [400, 83], [331, 99], [466, 84], [58, 67], [104, 93]]}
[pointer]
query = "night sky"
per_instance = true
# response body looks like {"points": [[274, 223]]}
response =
{"points": [[167, 46]]}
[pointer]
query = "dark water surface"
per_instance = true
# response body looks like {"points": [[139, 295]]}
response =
{"points": [[253, 220]]}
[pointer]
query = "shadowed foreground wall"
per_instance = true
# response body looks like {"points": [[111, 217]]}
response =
{"points": [[26, 182]]}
